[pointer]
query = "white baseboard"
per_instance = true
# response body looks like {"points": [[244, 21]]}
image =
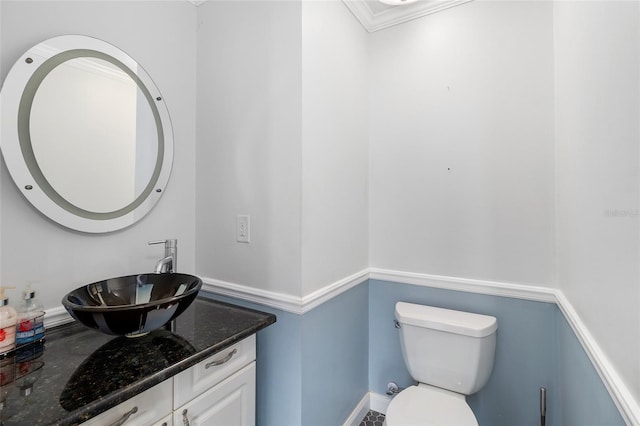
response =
{"points": [[378, 402], [359, 412], [371, 401]]}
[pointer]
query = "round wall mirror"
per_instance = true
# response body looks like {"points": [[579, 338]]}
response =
{"points": [[85, 134]]}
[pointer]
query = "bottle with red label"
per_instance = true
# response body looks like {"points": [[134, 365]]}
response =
{"points": [[8, 320], [30, 326], [7, 378]]}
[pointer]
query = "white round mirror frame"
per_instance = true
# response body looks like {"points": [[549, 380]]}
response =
{"points": [[10, 99]]}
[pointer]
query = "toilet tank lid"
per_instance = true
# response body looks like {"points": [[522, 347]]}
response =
{"points": [[458, 322]]}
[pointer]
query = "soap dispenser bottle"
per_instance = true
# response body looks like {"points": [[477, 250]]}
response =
{"points": [[30, 326], [8, 320]]}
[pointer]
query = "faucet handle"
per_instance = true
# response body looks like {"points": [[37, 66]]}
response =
{"points": [[171, 243]]}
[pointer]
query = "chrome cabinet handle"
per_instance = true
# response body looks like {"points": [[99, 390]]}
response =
{"points": [[185, 419], [125, 417], [221, 361]]}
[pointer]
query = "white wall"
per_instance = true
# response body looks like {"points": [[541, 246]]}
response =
{"points": [[597, 64], [461, 127], [461, 134], [282, 137], [504, 131], [335, 160], [249, 143], [160, 36]]}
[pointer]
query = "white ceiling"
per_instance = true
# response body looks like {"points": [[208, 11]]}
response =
{"points": [[374, 15]]}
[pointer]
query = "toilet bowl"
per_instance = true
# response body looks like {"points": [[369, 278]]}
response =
{"points": [[450, 354], [425, 405]]}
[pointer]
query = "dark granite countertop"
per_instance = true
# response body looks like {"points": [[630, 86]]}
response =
{"points": [[78, 373]]}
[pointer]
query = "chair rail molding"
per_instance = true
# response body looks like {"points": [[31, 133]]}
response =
{"points": [[285, 302], [56, 316], [618, 390], [531, 292], [620, 393]]}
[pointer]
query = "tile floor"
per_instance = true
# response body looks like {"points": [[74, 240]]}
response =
{"points": [[373, 418]]}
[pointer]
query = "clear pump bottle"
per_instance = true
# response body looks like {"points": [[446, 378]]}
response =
{"points": [[30, 326], [8, 319]]}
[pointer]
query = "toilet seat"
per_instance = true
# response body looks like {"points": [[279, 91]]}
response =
{"points": [[425, 405]]}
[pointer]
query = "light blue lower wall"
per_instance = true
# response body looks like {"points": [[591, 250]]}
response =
{"points": [[582, 398], [278, 366], [524, 349], [535, 348], [335, 362], [314, 368]]}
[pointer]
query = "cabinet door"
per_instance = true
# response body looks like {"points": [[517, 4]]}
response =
{"points": [[167, 421], [143, 409], [194, 381], [230, 403]]}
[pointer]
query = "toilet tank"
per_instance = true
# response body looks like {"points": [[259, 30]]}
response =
{"points": [[449, 349]]}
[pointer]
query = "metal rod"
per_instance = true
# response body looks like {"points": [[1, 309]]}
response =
{"points": [[543, 406]]}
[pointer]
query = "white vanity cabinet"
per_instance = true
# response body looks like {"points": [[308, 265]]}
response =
{"points": [[166, 421], [218, 391], [229, 403], [146, 408]]}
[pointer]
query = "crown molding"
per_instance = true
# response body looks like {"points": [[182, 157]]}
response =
{"points": [[380, 17], [387, 17]]}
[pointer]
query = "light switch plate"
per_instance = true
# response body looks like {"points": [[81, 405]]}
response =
{"points": [[243, 228]]}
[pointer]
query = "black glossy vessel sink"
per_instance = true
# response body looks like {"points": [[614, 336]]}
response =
{"points": [[132, 305]]}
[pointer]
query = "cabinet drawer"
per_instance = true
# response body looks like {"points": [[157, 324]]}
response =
{"points": [[206, 374], [229, 403], [167, 421], [143, 409]]}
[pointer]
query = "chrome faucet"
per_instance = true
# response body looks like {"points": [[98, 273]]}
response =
{"points": [[169, 263]]}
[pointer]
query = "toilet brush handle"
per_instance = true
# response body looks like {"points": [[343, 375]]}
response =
{"points": [[543, 406]]}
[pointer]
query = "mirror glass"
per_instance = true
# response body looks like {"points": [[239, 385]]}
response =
{"points": [[91, 108], [93, 145]]}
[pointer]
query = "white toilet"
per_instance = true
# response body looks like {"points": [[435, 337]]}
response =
{"points": [[450, 354]]}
